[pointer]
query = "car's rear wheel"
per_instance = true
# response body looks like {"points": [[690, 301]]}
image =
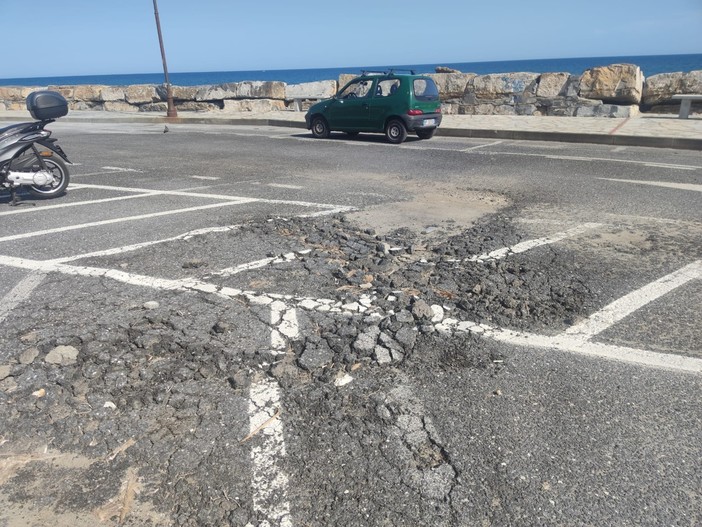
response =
{"points": [[395, 131], [426, 134], [320, 127]]}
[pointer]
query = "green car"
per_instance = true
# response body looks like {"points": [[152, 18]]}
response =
{"points": [[385, 102]]}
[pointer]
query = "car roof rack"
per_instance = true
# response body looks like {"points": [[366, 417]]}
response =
{"points": [[366, 73], [393, 70]]}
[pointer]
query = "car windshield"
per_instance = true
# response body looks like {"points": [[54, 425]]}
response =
{"points": [[426, 90]]}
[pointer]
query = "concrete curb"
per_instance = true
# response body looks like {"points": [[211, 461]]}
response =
{"points": [[519, 135]]}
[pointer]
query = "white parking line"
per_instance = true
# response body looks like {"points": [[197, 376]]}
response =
{"points": [[20, 292], [217, 196], [665, 184], [67, 228], [578, 346], [76, 204], [531, 244], [605, 159], [626, 305], [267, 454], [470, 149]]}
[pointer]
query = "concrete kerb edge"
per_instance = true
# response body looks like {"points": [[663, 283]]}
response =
{"points": [[517, 135]]}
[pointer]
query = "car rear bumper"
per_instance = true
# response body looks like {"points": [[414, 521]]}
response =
{"points": [[424, 121]]}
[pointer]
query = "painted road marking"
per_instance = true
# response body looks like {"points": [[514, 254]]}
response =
{"points": [[217, 196], [626, 305], [207, 178], [121, 169], [76, 204], [137, 246], [578, 346], [282, 185], [472, 148], [270, 483], [605, 159], [531, 244], [121, 220], [20, 292], [563, 342], [664, 184]]}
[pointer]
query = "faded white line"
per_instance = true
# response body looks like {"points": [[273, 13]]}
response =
{"points": [[217, 196], [120, 220], [75, 204], [20, 292], [470, 149], [626, 305], [207, 178], [605, 159], [531, 244], [269, 481], [575, 345], [121, 169], [665, 184], [137, 246], [282, 185]]}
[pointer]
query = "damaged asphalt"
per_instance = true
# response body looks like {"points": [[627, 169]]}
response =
{"points": [[127, 401]]}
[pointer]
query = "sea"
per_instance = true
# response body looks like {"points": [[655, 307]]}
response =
{"points": [[649, 64]]}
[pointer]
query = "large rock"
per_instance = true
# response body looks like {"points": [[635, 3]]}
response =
{"points": [[345, 78], [314, 90], [452, 85], [179, 93], [112, 93], [87, 92], [615, 84], [119, 106], [243, 90], [253, 105], [501, 85], [141, 94], [552, 84], [11, 93], [659, 89]]}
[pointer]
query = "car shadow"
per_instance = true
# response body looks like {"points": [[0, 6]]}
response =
{"points": [[361, 137]]}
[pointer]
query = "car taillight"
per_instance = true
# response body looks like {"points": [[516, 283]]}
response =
{"points": [[438, 109], [415, 112]]}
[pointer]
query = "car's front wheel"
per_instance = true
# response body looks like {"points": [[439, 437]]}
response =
{"points": [[320, 127], [395, 131]]}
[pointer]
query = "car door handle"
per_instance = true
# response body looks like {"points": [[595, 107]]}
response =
{"points": [[365, 106]]}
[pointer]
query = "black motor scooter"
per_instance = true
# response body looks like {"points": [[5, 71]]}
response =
{"points": [[29, 157]]}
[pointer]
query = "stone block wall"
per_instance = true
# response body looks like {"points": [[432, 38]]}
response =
{"points": [[617, 90]]}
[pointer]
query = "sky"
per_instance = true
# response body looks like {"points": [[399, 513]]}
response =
{"points": [[44, 38]]}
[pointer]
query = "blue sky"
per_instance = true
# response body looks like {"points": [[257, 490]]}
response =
{"points": [[85, 37]]}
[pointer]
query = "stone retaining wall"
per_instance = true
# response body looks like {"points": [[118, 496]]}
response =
{"points": [[617, 90]]}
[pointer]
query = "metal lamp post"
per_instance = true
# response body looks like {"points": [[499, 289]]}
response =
{"points": [[171, 112]]}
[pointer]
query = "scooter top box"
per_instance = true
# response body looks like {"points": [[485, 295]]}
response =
{"points": [[46, 105]]}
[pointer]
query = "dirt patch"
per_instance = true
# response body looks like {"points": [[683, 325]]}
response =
{"points": [[432, 208]]}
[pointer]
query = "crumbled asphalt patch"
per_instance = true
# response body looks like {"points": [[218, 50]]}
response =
{"points": [[170, 371]]}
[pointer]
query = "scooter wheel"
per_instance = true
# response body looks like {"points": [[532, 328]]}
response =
{"points": [[56, 187]]}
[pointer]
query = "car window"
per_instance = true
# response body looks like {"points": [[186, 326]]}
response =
{"points": [[387, 87], [425, 90], [358, 89]]}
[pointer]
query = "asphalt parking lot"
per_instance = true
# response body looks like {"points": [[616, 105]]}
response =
{"points": [[245, 326]]}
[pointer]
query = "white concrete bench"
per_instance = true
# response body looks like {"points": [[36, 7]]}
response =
{"points": [[686, 104]]}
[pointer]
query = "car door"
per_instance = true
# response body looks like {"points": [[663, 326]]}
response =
{"points": [[386, 97], [351, 108]]}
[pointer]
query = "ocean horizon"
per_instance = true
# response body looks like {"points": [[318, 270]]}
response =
{"points": [[649, 64]]}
